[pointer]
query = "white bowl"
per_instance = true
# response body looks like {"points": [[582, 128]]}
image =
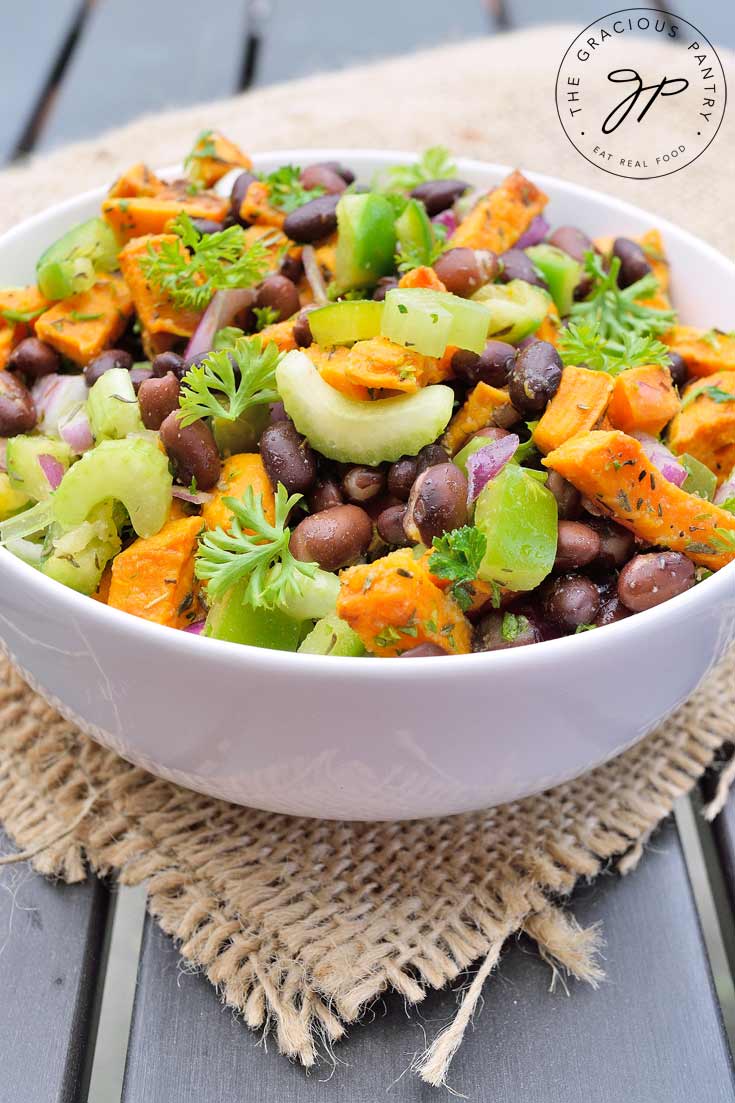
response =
{"points": [[361, 738]]}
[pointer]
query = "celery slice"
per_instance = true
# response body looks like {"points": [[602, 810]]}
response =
{"points": [[79, 556], [351, 431], [24, 469], [428, 321], [134, 472], [318, 597], [516, 309], [345, 322], [112, 406], [234, 620], [332, 636]]}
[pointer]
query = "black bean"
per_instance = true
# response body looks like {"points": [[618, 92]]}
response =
{"points": [[402, 475], [679, 371], [361, 484], [292, 268], [437, 503], [17, 409], [438, 195], [390, 525], [573, 241], [506, 416], [239, 188], [302, 330], [192, 450], [206, 225], [577, 545], [323, 176], [34, 358], [280, 294], [383, 286], [611, 611], [277, 412], [493, 365], [314, 220], [430, 456], [423, 651], [648, 580], [616, 543], [138, 376], [568, 498], [633, 262], [287, 457], [333, 538], [106, 361], [157, 398], [463, 271], [488, 633], [324, 495], [571, 600], [535, 377], [168, 361], [347, 174], [517, 266]]}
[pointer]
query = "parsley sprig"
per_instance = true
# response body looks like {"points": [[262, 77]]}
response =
{"points": [[457, 556], [434, 164], [209, 263], [254, 551], [213, 388], [612, 312], [285, 190], [711, 391], [582, 345]]}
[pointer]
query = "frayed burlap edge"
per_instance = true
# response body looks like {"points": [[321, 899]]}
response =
{"points": [[301, 924]]}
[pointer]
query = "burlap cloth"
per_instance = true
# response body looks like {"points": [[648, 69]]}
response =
{"points": [[302, 923]]}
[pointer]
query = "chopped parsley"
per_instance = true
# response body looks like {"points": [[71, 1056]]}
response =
{"points": [[434, 164], [265, 316], [457, 556], [513, 626], [713, 392], [285, 190]]}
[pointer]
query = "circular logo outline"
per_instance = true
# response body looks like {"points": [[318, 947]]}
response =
{"points": [[671, 16]]}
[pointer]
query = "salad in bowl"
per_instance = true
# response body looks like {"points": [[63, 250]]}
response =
{"points": [[391, 417]]}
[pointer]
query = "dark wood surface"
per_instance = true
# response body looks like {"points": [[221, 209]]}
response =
{"points": [[53, 953], [335, 36], [651, 1034], [142, 56]]}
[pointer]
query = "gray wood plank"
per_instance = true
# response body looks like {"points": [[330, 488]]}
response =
{"points": [[141, 56], [53, 948], [651, 1034], [335, 36], [34, 34]]}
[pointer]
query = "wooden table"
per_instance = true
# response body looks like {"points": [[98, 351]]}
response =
{"points": [[653, 1033]]}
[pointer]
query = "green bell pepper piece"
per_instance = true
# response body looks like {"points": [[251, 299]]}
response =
{"points": [[69, 265], [345, 322], [234, 620], [560, 271], [518, 516], [700, 480], [332, 636], [366, 241], [415, 233]]}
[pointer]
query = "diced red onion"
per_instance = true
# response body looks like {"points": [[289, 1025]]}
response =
{"points": [[3, 446], [52, 469], [196, 628], [313, 273], [662, 458], [77, 432], [197, 498], [727, 490], [535, 233], [224, 306], [448, 219], [57, 398], [487, 462]]}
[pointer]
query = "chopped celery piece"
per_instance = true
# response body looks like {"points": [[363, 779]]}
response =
{"points": [[519, 519], [318, 597], [351, 431], [112, 406], [415, 234], [27, 523], [134, 472], [12, 500], [332, 636], [243, 434], [560, 271], [79, 556], [345, 322], [24, 467], [27, 550], [366, 241], [230, 618], [428, 321], [700, 480], [516, 309], [69, 265]]}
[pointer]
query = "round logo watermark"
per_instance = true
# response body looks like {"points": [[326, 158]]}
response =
{"points": [[636, 112]]}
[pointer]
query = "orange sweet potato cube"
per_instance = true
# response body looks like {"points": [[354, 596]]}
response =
{"points": [[644, 400], [154, 577], [81, 326], [502, 216]]}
